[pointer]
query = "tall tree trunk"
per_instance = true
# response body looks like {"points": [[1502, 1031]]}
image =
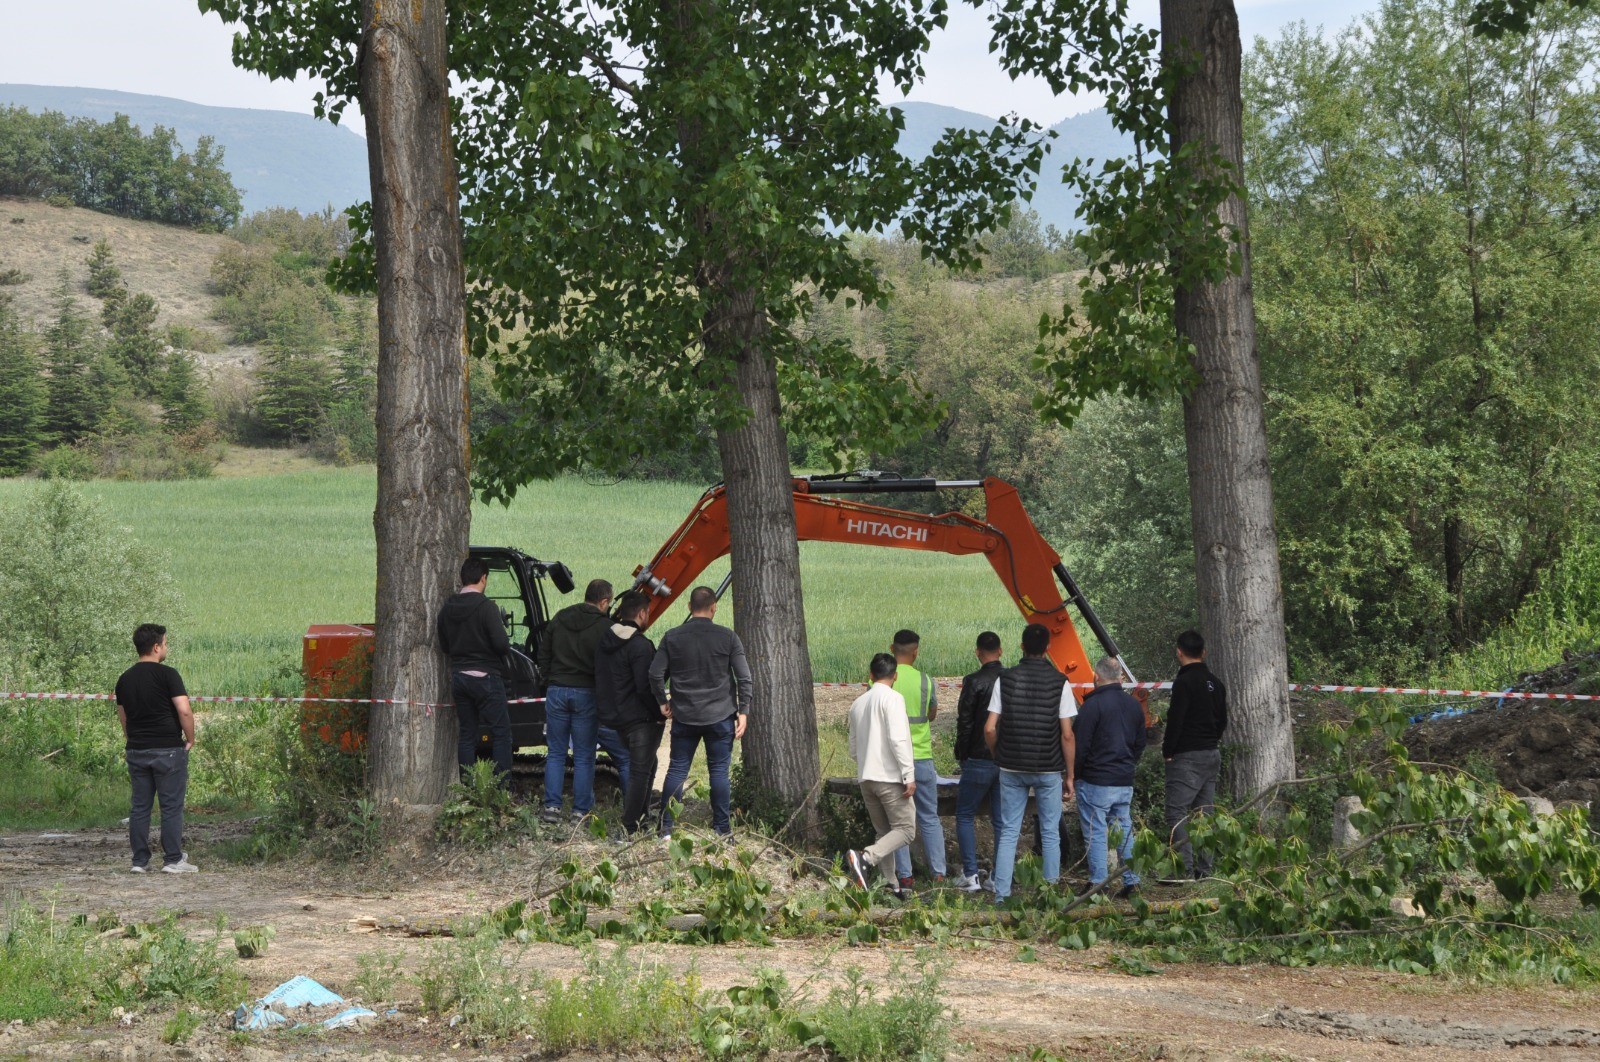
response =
{"points": [[780, 747], [421, 520], [1230, 485]]}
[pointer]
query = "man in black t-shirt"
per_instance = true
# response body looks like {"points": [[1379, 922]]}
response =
{"points": [[159, 727], [1196, 720]]}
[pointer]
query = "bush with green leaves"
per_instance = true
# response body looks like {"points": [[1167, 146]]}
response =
{"points": [[75, 585], [479, 811]]}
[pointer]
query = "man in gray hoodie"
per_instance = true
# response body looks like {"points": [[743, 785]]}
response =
{"points": [[566, 660], [703, 663]]}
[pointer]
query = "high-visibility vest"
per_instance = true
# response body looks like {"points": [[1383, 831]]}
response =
{"points": [[917, 689]]}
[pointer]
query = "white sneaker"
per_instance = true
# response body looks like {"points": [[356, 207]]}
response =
{"points": [[137, 870], [966, 883], [182, 866]]}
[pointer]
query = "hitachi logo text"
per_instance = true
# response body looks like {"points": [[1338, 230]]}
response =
{"points": [[898, 532]]}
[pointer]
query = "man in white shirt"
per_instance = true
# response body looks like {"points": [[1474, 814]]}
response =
{"points": [[880, 743], [1030, 734]]}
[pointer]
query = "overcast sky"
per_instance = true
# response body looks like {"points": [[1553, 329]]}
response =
{"points": [[167, 48]]}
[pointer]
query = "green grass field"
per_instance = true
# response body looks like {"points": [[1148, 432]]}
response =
{"points": [[259, 558]]}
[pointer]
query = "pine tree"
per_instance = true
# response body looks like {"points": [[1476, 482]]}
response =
{"points": [[72, 409], [183, 406], [104, 276], [22, 394], [134, 343], [295, 393]]}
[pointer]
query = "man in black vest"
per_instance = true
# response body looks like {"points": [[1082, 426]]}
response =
{"points": [[979, 777], [1029, 732], [1196, 720]]}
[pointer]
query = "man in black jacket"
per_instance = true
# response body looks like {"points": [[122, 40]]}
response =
{"points": [[624, 701], [1196, 720], [473, 636], [979, 776], [566, 660], [1110, 736], [1029, 731]]}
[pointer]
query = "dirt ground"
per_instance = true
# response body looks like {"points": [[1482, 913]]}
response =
{"points": [[1072, 1003]]}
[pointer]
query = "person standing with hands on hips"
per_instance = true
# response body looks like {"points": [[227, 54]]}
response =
{"points": [[711, 686], [158, 728]]}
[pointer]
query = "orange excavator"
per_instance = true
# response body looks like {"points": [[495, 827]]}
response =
{"points": [[825, 511], [1028, 567]]}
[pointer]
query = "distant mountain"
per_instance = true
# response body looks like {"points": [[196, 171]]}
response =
{"points": [[1087, 135], [277, 158]]}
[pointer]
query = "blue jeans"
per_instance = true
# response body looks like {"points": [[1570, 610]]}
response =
{"points": [[569, 716], [979, 779], [929, 830], [686, 737], [613, 743], [1013, 802], [481, 704], [153, 774], [1096, 805]]}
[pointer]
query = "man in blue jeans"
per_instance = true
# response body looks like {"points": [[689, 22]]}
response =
{"points": [[1029, 731], [473, 636], [711, 686], [1110, 737], [566, 660], [980, 779]]}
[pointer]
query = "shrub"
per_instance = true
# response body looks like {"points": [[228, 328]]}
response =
{"points": [[479, 810], [190, 337], [74, 585], [910, 1020]]}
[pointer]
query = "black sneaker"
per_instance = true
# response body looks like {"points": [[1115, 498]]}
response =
{"points": [[1127, 892], [856, 864]]}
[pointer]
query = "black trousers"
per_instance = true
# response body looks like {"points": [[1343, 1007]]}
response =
{"points": [[480, 703], [644, 741], [153, 774]]}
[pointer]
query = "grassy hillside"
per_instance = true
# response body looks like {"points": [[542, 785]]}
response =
{"points": [[259, 558], [170, 263]]}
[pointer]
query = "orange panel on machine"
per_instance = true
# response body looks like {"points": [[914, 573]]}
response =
{"points": [[336, 660]]}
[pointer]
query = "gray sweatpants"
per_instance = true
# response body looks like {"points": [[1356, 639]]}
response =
{"points": [[894, 819], [1191, 790]]}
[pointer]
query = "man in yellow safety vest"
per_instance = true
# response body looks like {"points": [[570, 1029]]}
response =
{"points": [[922, 704]]}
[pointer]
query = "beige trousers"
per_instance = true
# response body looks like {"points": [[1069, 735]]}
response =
{"points": [[894, 817]]}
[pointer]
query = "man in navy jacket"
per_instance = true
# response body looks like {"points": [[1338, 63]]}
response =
{"points": [[1110, 736]]}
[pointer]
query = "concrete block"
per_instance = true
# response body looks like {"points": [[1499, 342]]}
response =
{"points": [[1344, 834]]}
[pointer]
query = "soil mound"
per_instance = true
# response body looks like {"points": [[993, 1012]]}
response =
{"points": [[1543, 748]]}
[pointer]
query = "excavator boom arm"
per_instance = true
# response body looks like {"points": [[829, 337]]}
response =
{"points": [[1026, 564]]}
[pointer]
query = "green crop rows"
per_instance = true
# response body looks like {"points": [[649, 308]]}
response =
{"points": [[260, 558]]}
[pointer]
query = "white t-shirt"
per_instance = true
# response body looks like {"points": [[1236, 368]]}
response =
{"points": [[1068, 707]]}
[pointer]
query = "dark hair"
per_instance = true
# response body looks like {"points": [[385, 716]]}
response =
{"points": [[988, 642], [597, 591], [701, 598], [1035, 639], [883, 665], [905, 639], [146, 636], [631, 603], [473, 569], [1191, 645]]}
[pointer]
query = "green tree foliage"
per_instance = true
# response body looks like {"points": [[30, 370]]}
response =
{"points": [[22, 394], [105, 279], [135, 344], [75, 586], [1428, 279], [76, 387], [183, 406], [294, 393], [116, 168]]}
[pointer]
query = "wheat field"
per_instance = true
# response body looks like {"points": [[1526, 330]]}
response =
{"points": [[258, 558]]}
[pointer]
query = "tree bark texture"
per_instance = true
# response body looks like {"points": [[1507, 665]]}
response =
{"points": [[1239, 587], [423, 509], [780, 747]]}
